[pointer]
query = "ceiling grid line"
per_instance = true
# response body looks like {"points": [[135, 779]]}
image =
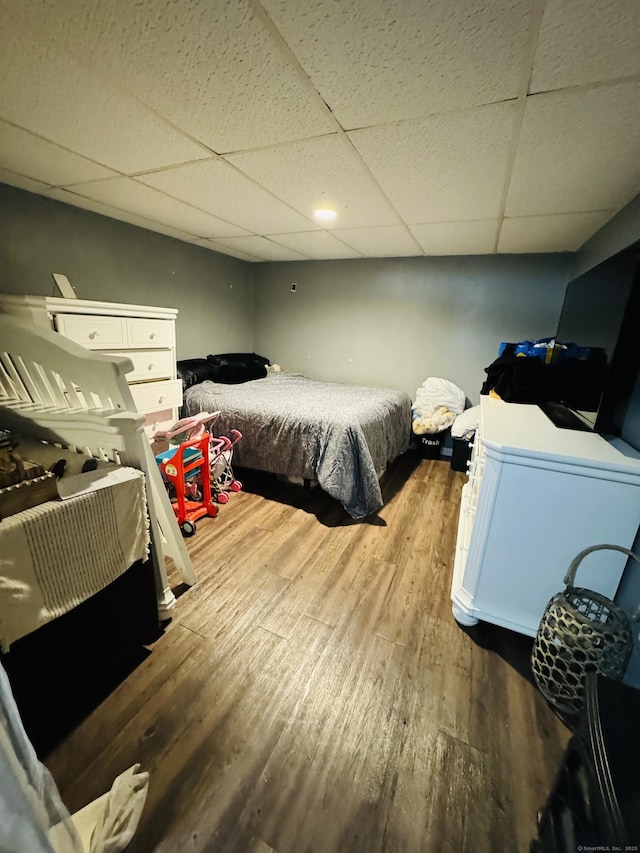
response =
{"points": [[297, 65], [588, 87], [113, 82], [129, 94], [57, 145], [438, 128], [521, 105]]}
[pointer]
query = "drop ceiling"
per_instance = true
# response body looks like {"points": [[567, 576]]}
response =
{"points": [[432, 127]]}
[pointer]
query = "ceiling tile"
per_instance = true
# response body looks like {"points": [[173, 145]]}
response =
{"points": [[128, 194], [152, 89], [214, 246], [444, 168], [386, 242], [316, 244], [457, 238], [214, 69], [586, 41], [323, 172], [261, 248], [578, 151], [374, 61], [23, 183], [47, 92], [122, 215], [218, 188], [559, 233], [27, 154]]}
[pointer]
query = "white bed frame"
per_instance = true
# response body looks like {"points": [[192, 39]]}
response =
{"points": [[55, 390]]}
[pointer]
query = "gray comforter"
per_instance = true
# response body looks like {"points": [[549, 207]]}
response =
{"points": [[343, 436]]}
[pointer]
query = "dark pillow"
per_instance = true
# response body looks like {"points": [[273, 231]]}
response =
{"points": [[235, 367], [195, 370], [238, 358], [239, 371]]}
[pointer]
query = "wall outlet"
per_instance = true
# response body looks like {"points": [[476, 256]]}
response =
{"points": [[294, 286]]}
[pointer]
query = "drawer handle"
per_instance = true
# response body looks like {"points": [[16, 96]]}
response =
{"points": [[151, 366], [161, 399], [93, 335], [153, 335]]}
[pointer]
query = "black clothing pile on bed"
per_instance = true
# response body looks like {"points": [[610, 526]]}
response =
{"points": [[229, 368]]}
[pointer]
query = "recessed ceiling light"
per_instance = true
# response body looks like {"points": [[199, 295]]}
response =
{"points": [[324, 213]]}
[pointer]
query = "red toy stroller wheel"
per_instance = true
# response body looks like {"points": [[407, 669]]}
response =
{"points": [[222, 498], [188, 528], [236, 486]]}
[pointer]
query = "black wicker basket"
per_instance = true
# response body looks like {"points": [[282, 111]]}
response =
{"points": [[580, 631]]}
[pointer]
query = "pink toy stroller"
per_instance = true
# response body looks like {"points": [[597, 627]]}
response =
{"points": [[223, 480], [189, 428], [186, 468]]}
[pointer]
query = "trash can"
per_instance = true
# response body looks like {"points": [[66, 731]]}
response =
{"points": [[429, 445]]}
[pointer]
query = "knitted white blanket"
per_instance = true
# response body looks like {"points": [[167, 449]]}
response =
{"points": [[56, 555]]}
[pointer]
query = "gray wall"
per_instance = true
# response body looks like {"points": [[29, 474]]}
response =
{"points": [[621, 231], [395, 322], [378, 322], [111, 260]]}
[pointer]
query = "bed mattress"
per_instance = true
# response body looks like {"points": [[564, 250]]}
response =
{"points": [[341, 435]]}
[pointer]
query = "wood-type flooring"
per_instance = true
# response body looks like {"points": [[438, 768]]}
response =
{"points": [[313, 692]]}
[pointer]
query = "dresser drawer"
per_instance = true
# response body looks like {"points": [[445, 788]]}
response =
{"points": [[160, 420], [151, 396], [150, 364], [93, 331], [150, 333]]}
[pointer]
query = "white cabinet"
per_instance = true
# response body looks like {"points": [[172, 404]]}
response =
{"points": [[536, 496], [142, 333]]}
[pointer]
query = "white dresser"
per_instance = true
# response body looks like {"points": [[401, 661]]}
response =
{"points": [[536, 496], [142, 333]]}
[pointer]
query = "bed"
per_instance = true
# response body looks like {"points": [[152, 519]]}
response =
{"points": [[342, 436]]}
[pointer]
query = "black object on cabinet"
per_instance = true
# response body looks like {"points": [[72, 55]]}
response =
{"points": [[461, 454], [595, 800]]}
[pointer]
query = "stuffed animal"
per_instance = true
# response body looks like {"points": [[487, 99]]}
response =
{"points": [[437, 403], [431, 418]]}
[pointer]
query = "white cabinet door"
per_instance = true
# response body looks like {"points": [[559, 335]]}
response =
{"points": [[152, 396], [150, 333], [528, 510], [149, 364], [93, 331]]}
